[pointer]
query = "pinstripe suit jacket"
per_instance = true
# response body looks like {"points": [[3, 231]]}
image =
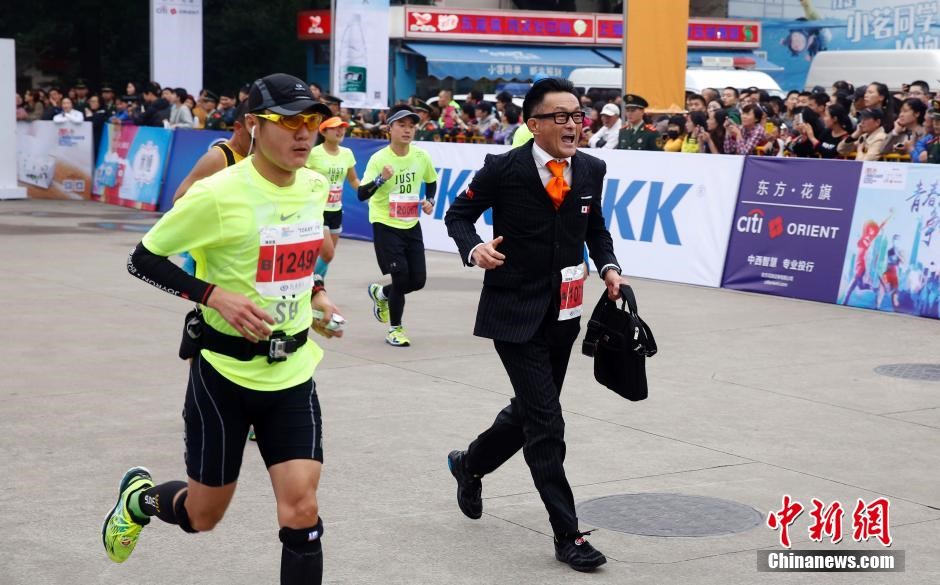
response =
{"points": [[538, 241]]}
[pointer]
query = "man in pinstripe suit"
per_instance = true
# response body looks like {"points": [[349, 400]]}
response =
{"points": [[546, 202]]}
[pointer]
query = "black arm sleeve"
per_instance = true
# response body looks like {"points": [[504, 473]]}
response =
{"points": [[430, 190], [366, 190], [166, 276]]}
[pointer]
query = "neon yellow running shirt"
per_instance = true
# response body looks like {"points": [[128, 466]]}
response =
{"points": [[252, 237], [396, 203], [334, 168]]}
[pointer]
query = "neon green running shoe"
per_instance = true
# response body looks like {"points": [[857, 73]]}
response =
{"points": [[120, 530], [396, 336], [379, 306]]}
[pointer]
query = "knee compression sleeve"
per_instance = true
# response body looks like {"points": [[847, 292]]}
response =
{"points": [[301, 555]]}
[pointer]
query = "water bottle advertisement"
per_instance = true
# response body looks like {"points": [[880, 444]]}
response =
{"points": [[360, 64]]}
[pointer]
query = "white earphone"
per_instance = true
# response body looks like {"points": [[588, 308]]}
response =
{"points": [[253, 132]]}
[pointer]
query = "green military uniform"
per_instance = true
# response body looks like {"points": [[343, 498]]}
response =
{"points": [[426, 130], [215, 120], [642, 136]]}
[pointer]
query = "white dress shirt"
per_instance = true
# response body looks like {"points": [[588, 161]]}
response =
{"points": [[541, 160]]}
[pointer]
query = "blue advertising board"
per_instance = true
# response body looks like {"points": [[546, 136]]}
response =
{"points": [[188, 147]]}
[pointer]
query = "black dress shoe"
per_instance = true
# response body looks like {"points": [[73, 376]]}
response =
{"points": [[469, 487], [578, 552]]}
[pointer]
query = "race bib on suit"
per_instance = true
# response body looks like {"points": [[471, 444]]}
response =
{"points": [[572, 292]]}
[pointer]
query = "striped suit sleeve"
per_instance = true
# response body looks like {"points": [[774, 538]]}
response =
{"points": [[469, 206]]}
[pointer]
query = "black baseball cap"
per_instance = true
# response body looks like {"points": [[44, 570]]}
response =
{"points": [[283, 94], [875, 113]]}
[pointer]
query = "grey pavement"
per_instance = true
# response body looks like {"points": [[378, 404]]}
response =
{"points": [[751, 398]]}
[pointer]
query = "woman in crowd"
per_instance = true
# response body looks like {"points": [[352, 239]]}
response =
{"points": [[510, 121], [837, 125], [180, 115], [33, 104], [714, 139], [907, 129], [696, 130], [743, 138], [21, 114], [68, 113], [675, 134], [878, 96], [807, 130]]}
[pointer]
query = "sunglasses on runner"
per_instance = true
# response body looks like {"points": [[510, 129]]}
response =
{"points": [[312, 121]]}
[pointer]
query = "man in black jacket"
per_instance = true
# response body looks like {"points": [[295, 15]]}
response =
{"points": [[155, 108], [546, 202]]}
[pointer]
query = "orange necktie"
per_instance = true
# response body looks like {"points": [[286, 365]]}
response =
{"points": [[557, 187]]}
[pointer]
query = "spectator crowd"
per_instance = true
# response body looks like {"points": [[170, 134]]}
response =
{"points": [[864, 123]]}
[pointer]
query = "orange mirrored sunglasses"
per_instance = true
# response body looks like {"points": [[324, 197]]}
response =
{"points": [[294, 122]]}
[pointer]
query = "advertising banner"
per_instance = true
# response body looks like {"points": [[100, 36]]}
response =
{"points": [[892, 260], [791, 226], [176, 43], [360, 62], [669, 213], [130, 165], [187, 148], [796, 30], [54, 160]]}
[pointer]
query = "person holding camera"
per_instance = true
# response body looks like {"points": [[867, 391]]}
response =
{"points": [[744, 137]]}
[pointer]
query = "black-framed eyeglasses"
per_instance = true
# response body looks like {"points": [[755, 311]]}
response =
{"points": [[562, 117]]}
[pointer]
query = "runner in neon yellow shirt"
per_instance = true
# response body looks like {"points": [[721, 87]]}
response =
{"points": [[392, 184], [254, 229], [337, 164]]}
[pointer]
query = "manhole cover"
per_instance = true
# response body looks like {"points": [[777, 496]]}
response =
{"points": [[669, 515], [930, 372]]}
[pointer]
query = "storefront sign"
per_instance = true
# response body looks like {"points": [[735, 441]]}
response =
{"points": [[313, 25], [514, 26], [712, 33]]}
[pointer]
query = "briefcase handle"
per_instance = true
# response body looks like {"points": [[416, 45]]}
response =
{"points": [[628, 298], [648, 345]]}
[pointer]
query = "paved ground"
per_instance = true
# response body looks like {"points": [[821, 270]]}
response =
{"points": [[752, 397]]}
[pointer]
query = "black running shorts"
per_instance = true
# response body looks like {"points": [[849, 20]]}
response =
{"points": [[399, 250], [218, 412], [334, 221]]}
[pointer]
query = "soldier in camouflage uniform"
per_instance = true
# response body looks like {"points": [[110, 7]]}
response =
{"points": [[636, 134]]}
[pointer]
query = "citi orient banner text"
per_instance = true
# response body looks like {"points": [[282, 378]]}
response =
{"points": [[791, 227]]}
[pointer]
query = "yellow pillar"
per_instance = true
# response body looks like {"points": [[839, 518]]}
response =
{"points": [[657, 34]]}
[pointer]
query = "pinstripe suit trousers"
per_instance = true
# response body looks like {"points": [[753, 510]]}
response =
{"points": [[533, 420]]}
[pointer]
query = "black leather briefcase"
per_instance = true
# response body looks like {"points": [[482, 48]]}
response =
{"points": [[619, 341]]}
